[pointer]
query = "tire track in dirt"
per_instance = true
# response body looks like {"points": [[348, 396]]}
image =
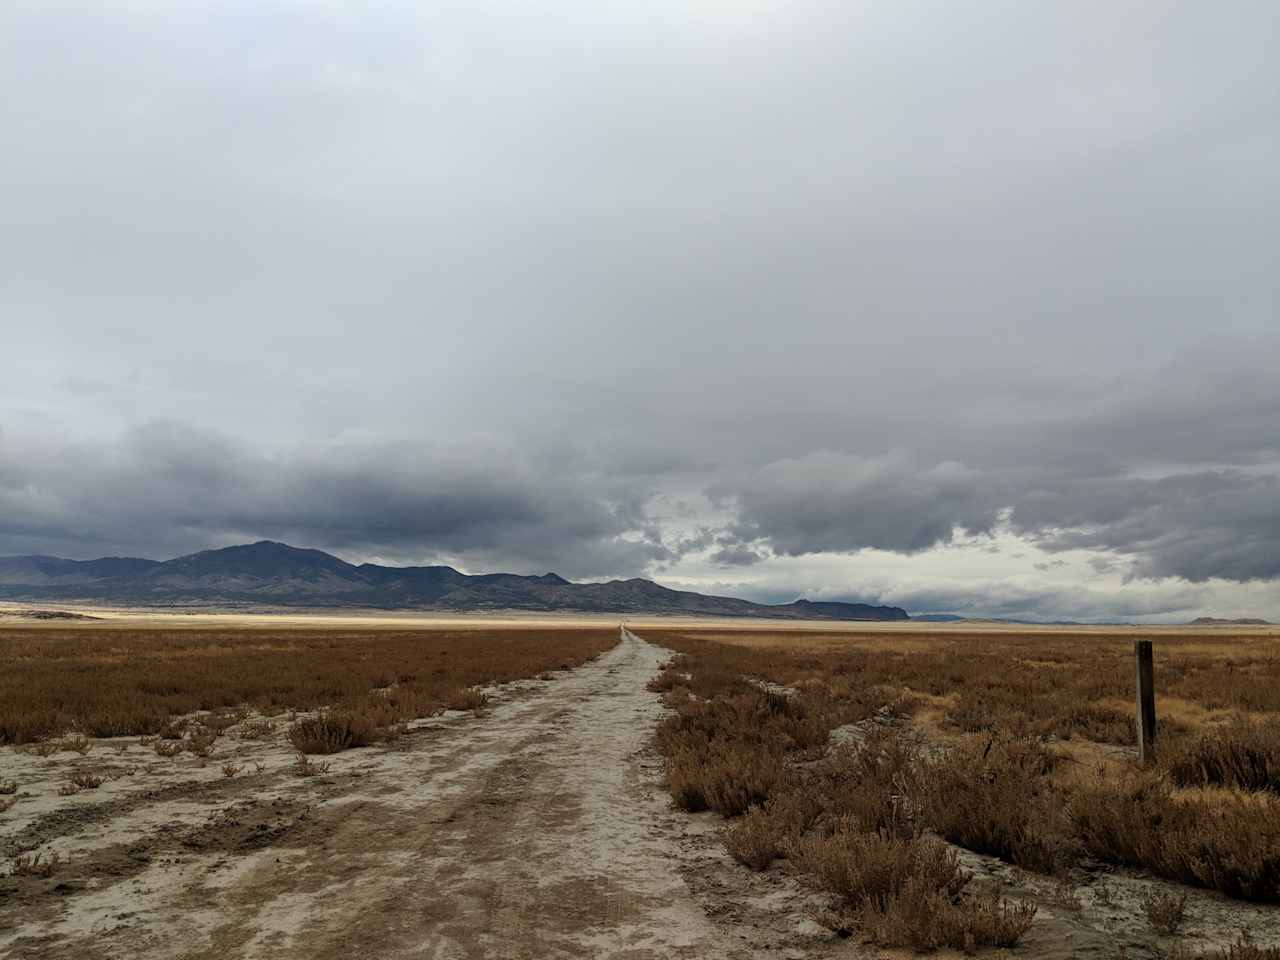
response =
{"points": [[546, 839], [550, 849]]}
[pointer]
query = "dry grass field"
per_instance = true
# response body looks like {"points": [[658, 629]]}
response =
{"points": [[867, 764], [112, 682], [310, 789]]}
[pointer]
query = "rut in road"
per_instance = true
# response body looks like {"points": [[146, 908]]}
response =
{"points": [[539, 830]]}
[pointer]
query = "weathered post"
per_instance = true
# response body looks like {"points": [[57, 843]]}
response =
{"points": [[1146, 701]]}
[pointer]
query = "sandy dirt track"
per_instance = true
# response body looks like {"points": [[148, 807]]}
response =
{"points": [[538, 829]]}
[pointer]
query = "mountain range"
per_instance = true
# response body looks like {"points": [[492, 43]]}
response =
{"points": [[273, 574]]}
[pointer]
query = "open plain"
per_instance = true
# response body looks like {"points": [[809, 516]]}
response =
{"points": [[248, 787]]}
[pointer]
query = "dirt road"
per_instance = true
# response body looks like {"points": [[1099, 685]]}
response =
{"points": [[538, 829]]}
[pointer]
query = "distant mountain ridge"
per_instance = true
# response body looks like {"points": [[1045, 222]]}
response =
{"points": [[1224, 622], [268, 573]]}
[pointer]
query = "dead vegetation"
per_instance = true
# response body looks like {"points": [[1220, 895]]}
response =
{"points": [[1165, 911], [1228, 842], [304, 767], [35, 865], [1242, 755], [902, 889], [467, 698], [1245, 950], [839, 820], [996, 797], [87, 781], [995, 744], [99, 681], [257, 730], [332, 731]]}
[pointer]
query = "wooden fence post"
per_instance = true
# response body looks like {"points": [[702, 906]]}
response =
{"points": [[1146, 701]]}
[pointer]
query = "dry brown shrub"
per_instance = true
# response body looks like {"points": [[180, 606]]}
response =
{"points": [[925, 919], [744, 713], [906, 893], [993, 921], [332, 732], [972, 713], [666, 680], [35, 865], [1229, 843], [1066, 896], [726, 777], [996, 798], [1165, 910], [468, 698], [728, 753], [1242, 755], [230, 770], [765, 833], [1103, 893], [868, 784], [754, 840], [308, 768], [868, 868], [1101, 724], [167, 748], [201, 743], [1245, 949], [257, 730], [87, 781]]}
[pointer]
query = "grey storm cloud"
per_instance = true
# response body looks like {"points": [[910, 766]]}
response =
{"points": [[1197, 526], [166, 488], [495, 282], [1020, 601], [736, 555], [830, 501], [1142, 482]]}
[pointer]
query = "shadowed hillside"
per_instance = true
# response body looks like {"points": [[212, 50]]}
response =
{"points": [[278, 574]]}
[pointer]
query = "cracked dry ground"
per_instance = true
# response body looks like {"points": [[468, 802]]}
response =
{"points": [[538, 829]]}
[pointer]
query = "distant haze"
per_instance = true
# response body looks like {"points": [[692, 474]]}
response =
{"points": [[964, 308]]}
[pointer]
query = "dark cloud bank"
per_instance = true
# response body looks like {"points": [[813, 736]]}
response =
{"points": [[165, 487], [611, 292]]}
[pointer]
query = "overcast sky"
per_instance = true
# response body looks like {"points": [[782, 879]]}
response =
{"points": [[968, 307]]}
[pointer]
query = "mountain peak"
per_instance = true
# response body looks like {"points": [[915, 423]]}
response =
{"points": [[264, 558]]}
